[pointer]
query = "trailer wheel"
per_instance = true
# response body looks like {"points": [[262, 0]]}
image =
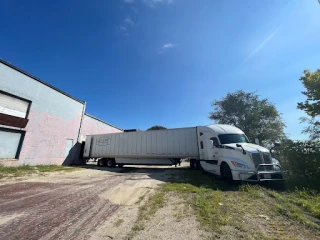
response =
{"points": [[225, 172], [101, 163], [110, 162]]}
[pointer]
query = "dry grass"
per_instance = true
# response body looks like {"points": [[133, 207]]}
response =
{"points": [[146, 211], [11, 172], [240, 211]]}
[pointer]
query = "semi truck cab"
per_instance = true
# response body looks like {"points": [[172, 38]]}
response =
{"points": [[225, 150]]}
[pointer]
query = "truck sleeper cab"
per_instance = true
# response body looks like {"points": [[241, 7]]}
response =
{"points": [[225, 151]]}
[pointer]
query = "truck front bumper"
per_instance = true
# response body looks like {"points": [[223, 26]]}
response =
{"points": [[260, 176]]}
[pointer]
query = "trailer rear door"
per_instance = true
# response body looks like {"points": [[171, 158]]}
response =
{"points": [[87, 147]]}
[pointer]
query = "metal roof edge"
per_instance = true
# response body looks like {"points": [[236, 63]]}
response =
{"points": [[87, 114], [39, 80]]}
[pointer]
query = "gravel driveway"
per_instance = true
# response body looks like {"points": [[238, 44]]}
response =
{"points": [[92, 203]]}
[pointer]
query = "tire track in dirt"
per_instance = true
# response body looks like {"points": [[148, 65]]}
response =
{"points": [[70, 211]]}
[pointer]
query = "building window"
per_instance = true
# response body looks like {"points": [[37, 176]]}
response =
{"points": [[10, 143], [13, 110]]}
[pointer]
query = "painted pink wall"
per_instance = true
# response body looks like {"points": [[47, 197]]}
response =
{"points": [[93, 126], [54, 117], [45, 140]]}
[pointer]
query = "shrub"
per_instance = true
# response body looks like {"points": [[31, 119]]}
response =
{"points": [[302, 159]]}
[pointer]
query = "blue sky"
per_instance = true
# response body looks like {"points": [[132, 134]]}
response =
{"points": [[139, 63]]}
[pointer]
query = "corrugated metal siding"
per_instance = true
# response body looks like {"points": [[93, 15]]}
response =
{"points": [[13, 106], [9, 144], [169, 143]]}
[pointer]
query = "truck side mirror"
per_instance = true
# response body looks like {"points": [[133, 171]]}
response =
{"points": [[277, 144], [239, 145]]}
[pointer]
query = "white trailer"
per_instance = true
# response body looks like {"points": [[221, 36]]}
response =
{"points": [[223, 150], [157, 147]]}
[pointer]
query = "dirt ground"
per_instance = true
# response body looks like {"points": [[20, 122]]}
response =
{"points": [[94, 203], [100, 203]]}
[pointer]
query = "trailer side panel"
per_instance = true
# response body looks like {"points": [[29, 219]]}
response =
{"points": [[170, 143]]}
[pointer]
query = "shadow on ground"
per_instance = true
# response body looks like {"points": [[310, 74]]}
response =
{"points": [[184, 174]]}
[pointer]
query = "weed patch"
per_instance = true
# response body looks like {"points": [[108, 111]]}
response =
{"points": [[27, 170], [239, 209]]}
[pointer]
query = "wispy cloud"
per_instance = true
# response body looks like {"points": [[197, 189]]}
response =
{"points": [[153, 3], [128, 21], [168, 45], [128, 1], [125, 26], [123, 30], [262, 44]]}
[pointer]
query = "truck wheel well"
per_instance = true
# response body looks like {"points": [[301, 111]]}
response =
{"points": [[223, 164], [225, 171]]}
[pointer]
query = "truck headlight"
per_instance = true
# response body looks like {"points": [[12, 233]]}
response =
{"points": [[239, 165]]}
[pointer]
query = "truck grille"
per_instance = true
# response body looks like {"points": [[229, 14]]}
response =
{"points": [[256, 157], [262, 158], [267, 158]]}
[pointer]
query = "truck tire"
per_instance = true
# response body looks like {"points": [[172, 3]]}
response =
{"points": [[194, 164], [110, 162], [191, 163], [101, 162], [225, 172]]}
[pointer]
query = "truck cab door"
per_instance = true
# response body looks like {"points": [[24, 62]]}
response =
{"points": [[209, 153], [216, 154]]}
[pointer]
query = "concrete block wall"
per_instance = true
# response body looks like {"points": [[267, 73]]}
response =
{"points": [[53, 118]]}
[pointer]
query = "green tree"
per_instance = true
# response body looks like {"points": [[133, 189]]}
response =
{"points": [[258, 118], [311, 106], [311, 81], [156, 127]]}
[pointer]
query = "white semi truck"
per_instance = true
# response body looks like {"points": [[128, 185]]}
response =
{"points": [[223, 150]]}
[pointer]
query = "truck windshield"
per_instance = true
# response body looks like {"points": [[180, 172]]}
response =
{"points": [[233, 138]]}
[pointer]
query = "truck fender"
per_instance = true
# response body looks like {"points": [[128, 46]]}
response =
{"points": [[228, 160]]}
